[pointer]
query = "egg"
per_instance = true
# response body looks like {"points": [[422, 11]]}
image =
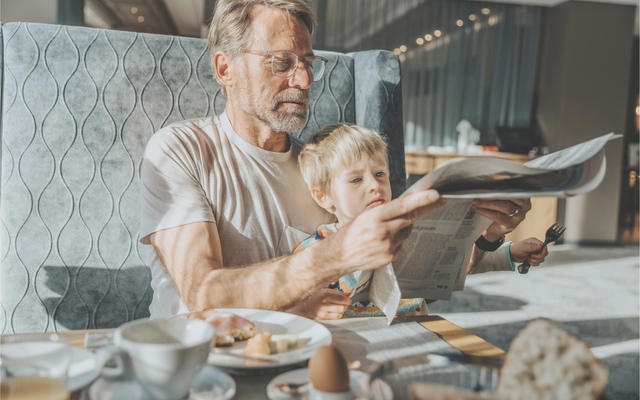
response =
{"points": [[328, 370]]}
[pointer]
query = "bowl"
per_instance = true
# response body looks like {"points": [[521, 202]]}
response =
{"points": [[475, 374]]}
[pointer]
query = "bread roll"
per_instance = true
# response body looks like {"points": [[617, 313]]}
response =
{"points": [[545, 362]]}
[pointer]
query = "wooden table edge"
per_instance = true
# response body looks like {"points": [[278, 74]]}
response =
{"points": [[458, 337]]}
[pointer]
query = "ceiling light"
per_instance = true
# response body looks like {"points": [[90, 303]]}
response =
{"points": [[420, 40], [134, 10], [141, 19], [397, 51], [403, 57], [149, 29], [403, 48], [472, 17], [485, 11], [437, 33], [428, 37], [459, 22]]}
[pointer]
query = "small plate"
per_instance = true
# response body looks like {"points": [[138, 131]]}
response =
{"points": [[311, 335], [358, 380], [83, 368], [209, 384]]}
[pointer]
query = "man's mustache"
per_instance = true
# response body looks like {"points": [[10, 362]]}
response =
{"points": [[291, 95]]}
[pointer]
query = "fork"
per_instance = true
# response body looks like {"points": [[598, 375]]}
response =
{"points": [[553, 233]]}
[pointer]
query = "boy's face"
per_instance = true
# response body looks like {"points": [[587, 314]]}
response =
{"points": [[363, 185]]}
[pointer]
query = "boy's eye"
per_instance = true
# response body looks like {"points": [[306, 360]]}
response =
{"points": [[355, 180], [378, 174]]}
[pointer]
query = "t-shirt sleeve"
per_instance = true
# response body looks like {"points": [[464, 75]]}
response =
{"points": [[494, 261], [171, 191]]}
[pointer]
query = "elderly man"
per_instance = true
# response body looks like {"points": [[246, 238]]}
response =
{"points": [[223, 202]]}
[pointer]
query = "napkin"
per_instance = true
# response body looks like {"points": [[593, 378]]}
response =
{"points": [[95, 340]]}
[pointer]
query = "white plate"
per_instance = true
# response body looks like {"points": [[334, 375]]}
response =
{"points": [[83, 368], [358, 380], [311, 335], [209, 384]]}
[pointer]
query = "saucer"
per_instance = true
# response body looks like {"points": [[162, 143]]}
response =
{"points": [[358, 380], [209, 384]]}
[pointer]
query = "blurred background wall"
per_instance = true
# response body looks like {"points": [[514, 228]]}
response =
{"points": [[555, 72]]}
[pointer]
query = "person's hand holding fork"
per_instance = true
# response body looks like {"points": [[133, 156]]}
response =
{"points": [[528, 250]]}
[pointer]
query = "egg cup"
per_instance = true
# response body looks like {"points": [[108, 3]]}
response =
{"points": [[315, 394]]}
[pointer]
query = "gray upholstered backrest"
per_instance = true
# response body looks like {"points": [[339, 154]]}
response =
{"points": [[78, 106]]}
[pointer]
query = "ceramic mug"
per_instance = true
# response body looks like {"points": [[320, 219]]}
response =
{"points": [[165, 355]]}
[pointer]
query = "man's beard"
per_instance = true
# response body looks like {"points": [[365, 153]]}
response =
{"points": [[257, 105]]}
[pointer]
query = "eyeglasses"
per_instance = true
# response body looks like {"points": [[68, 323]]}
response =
{"points": [[285, 63]]}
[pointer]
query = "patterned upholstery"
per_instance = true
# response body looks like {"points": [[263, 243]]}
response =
{"points": [[78, 106]]}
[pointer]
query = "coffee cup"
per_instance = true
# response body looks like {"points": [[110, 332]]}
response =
{"points": [[164, 355]]}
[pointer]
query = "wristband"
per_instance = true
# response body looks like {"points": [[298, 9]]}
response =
{"points": [[484, 244]]}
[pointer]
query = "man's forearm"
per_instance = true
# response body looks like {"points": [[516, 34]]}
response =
{"points": [[278, 284]]}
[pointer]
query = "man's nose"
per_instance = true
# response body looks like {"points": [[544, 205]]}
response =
{"points": [[302, 78]]}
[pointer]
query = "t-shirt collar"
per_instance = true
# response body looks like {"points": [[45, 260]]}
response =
{"points": [[250, 149]]}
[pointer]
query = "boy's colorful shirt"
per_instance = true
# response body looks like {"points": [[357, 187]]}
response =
{"points": [[346, 283]]}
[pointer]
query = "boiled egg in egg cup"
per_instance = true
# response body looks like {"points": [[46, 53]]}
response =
{"points": [[329, 375]]}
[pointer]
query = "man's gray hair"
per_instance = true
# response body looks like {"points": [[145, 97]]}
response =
{"points": [[230, 29]]}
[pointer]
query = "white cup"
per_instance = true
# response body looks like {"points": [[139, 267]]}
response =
{"points": [[165, 355]]}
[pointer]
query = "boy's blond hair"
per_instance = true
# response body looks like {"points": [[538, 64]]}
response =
{"points": [[335, 147]]}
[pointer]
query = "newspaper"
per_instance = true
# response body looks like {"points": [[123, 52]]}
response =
{"points": [[434, 259]]}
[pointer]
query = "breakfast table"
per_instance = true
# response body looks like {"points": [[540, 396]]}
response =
{"points": [[366, 340]]}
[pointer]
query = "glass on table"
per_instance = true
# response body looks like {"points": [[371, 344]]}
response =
{"points": [[34, 366]]}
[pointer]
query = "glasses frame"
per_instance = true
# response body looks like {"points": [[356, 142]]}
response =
{"points": [[298, 59]]}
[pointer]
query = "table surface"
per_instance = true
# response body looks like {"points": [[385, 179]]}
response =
{"points": [[252, 386]]}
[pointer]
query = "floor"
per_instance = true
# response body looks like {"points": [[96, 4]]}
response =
{"points": [[591, 292]]}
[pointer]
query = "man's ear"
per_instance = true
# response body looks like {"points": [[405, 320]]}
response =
{"points": [[222, 67], [323, 200]]}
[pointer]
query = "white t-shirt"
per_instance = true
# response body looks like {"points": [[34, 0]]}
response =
{"points": [[201, 170]]}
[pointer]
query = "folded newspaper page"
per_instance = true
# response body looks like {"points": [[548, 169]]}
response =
{"points": [[434, 260]]}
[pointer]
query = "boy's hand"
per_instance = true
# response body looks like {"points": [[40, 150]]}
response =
{"points": [[527, 249], [325, 304]]}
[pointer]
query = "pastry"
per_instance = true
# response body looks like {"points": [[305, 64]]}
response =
{"points": [[259, 344], [229, 327]]}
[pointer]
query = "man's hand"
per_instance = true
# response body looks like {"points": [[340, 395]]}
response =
{"points": [[505, 214], [375, 237], [525, 249], [325, 304]]}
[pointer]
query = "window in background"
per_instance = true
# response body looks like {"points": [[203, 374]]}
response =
{"points": [[460, 60]]}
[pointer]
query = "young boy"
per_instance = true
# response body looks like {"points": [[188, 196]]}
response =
{"points": [[346, 168]]}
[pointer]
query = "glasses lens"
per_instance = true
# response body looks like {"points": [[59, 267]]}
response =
{"points": [[317, 69], [283, 63]]}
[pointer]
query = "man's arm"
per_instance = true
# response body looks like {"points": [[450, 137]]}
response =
{"points": [[193, 257]]}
